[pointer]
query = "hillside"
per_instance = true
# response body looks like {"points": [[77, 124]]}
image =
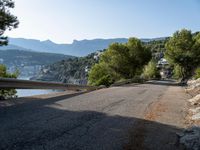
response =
{"points": [[73, 70], [28, 62], [68, 71], [19, 57]]}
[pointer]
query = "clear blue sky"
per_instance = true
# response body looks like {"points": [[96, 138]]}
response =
{"points": [[64, 20]]}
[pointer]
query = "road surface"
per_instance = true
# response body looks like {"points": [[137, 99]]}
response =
{"points": [[145, 116]]}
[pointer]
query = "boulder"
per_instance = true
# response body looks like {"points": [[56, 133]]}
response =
{"points": [[195, 100], [194, 110], [196, 116]]}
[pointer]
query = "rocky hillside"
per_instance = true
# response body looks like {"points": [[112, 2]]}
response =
{"points": [[191, 136], [29, 58], [28, 62], [69, 71], [76, 70]]}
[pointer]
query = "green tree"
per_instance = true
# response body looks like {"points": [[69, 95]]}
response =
{"points": [[197, 73], [121, 61], [7, 20], [100, 74], [177, 72], [7, 93], [182, 49], [127, 60], [151, 71]]}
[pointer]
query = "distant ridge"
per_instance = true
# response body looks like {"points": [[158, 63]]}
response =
{"points": [[77, 48]]}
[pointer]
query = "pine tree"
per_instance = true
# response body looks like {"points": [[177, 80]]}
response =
{"points": [[7, 20]]}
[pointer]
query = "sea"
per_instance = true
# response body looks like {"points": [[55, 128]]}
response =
{"points": [[32, 92]]}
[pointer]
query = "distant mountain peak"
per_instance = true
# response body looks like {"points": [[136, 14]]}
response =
{"points": [[77, 48], [48, 41]]}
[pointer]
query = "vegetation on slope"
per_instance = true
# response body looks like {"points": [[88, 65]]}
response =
{"points": [[8, 93], [151, 71], [7, 22], [120, 61], [183, 50], [126, 61], [29, 58], [67, 71]]}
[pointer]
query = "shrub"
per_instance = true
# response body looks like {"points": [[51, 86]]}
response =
{"points": [[100, 75], [177, 72], [7, 93], [197, 73], [151, 71]]}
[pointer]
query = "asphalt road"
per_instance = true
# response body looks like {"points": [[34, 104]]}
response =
{"points": [[145, 116]]}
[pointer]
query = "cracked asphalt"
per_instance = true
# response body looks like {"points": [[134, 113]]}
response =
{"points": [[116, 118]]}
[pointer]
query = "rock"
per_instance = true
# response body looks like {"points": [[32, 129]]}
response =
{"points": [[196, 116], [190, 138], [193, 87], [193, 82], [194, 110], [195, 100]]}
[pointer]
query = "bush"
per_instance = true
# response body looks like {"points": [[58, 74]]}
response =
{"points": [[105, 80], [8, 93], [197, 73], [177, 72], [151, 71], [100, 75]]}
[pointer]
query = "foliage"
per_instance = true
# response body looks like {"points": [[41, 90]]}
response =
{"points": [[121, 61], [197, 73], [67, 70], [157, 48], [7, 20], [151, 71], [184, 50], [4, 94], [100, 74], [177, 74], [157, 45]]}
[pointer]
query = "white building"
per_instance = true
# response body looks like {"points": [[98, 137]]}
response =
{"points": [[163, 61]]}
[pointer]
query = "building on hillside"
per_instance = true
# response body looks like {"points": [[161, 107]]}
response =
{"points": [[162, 63], [97, 55], [164, 67]]}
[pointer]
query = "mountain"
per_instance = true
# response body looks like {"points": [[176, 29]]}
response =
{"points": [[29, 63], [29, 58], [10, 46], [77, 48], [69, 70]]}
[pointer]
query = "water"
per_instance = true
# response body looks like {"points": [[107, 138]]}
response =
{"points": [[26, 92], [31, 92]]}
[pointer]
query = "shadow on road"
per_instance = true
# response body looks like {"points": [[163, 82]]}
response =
{"points": [[42, 124]]}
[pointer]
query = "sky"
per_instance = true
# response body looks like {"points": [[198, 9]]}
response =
{"points": [[62, 21]]}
